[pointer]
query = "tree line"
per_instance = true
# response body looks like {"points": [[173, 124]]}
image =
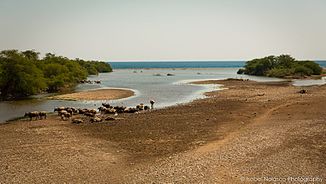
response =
{"points": [[24, 73], [281, 66]]}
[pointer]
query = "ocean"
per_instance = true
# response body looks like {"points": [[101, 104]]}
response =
{"points": [[185, 64], [178, 64]]}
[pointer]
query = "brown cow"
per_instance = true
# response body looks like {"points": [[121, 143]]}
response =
{"points": [[33, 114]]}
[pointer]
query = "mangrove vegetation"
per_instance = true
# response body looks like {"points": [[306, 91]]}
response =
{"points": [[283, 66], [24, 73]]}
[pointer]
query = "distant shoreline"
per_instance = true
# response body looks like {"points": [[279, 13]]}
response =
{"points": [[182, 64]]}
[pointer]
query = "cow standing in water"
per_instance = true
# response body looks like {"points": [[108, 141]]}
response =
{"points": [[152, 103]]}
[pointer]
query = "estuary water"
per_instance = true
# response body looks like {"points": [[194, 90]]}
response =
{"points": [[150, 82]]}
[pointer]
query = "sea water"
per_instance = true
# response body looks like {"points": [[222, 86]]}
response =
{"points": [[185, 64]]}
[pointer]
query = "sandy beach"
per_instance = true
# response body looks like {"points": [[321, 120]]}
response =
{"points": [[100, 94], [250, 131]]}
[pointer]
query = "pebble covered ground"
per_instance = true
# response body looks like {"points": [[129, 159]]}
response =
{"points": [[250, 133]]}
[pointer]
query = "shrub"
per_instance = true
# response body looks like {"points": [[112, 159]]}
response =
{"points": [[302, 70], [241, 71], [316, 69], [278, 72], [280, 66]]}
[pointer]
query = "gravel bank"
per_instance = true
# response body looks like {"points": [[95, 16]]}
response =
{"points": [[243, 134]]}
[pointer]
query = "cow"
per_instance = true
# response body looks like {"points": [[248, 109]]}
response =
{"points": [[140, 107], [96, 120], [65, 115], [72, 110], [110, 111], [77, 121], [119, 109], [82, 111], [107, 105], [31, 115], [93, 111], [130, 110], [69, 110], [42, 115], [146, 107], [88, 114], [58, 109], [102, 109]]}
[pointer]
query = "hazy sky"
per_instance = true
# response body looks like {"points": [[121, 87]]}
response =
{"points": [[165, 29]]}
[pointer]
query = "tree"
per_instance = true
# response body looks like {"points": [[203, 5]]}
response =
{"points": [[285, 61], [24, 73], [19, 77], [31, 55]]}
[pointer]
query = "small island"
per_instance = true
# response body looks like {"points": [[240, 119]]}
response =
{"points": [[283, 66]]}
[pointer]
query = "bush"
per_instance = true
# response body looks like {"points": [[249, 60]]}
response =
{"points": [[19, 76], [278, 72], [241, 71], [95, 67], [316, 69], [302, 70], [280, 66]]}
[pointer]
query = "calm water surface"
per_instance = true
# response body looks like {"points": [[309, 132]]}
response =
{"points": [[147, 84]]}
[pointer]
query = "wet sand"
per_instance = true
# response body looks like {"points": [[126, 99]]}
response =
{"points": [[100, 94], [248, 131]]}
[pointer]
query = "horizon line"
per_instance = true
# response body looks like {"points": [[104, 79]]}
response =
{"points": [[125, 61]]}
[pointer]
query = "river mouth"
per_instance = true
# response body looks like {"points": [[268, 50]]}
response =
{"points": [[166, 90]]}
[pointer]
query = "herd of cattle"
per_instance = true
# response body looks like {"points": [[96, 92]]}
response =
{"points": [[92, 115]]}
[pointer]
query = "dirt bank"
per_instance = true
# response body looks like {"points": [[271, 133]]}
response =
{"points": [[250, 130]]}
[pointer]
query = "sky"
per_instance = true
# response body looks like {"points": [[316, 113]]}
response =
{"points": [[165, 30]]}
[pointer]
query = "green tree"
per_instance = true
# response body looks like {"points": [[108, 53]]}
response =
{"points": [[19, 77], [24, 73], [285, 61], [31, 55]]}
